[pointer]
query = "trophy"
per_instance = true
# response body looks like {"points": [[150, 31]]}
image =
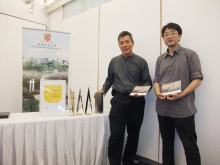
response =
{"points": [[79, 104], [72, 96], [88, 101], [99, 103]]}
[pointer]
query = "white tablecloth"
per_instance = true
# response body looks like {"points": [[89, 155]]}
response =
{"points": [[27, 139]]}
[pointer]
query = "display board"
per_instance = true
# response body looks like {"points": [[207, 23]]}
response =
{"points": [[45, 56]]}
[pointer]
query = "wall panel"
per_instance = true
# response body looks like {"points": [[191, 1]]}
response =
{"points": [[83, 53]]}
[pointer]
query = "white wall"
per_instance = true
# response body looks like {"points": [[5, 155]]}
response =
{"points": [[11, 50], [77, 6], [83, 52], [56, 19], [18, 9]]}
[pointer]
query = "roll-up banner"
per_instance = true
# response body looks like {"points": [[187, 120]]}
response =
{"points": [[45, 57]]}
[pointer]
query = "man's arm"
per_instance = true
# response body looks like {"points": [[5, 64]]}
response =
{"points": [[190, 88], [99, 91], [156, 81], [157, 91]]}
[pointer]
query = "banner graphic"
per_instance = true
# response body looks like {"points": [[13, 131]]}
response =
{"points": [[45, 57]]}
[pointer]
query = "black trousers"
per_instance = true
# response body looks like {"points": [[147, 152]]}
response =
{"points": [[125, 111], [185, 128]]}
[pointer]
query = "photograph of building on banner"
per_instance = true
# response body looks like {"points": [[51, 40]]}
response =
{"points": [[45, 57], [171, 88]]}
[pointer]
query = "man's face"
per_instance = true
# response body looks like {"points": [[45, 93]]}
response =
{"points": [[171, 37], [126, 45]]}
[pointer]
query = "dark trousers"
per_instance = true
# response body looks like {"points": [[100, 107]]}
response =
{"points": [[185, 128], [125, 110]]}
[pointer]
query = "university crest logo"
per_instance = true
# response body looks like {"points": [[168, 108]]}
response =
{"points": [[47, 37]]}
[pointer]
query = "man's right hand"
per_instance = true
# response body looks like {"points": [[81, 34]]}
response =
{"points": [[99, 91], [157, 91], [161, 96]]}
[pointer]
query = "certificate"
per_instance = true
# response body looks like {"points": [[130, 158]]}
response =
{"points": [[52, 97]]}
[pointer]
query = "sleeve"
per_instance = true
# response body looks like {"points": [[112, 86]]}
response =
{"points": [[110, 78], [146, 79], [157, 68], [195, 71]]}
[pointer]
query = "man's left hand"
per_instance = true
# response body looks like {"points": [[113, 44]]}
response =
{"points": [[136, 95], [173, 97]]}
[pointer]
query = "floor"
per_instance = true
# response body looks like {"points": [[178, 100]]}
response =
{"points": [[141, 164], [144, 161]]}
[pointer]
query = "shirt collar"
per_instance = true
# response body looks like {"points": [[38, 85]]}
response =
{"points": [[127, 56], [176, 52]]}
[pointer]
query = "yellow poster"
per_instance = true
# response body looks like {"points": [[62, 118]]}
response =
{"points": [[52, 93], [52, 97]]}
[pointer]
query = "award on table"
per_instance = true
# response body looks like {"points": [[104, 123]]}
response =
{"points": [[79, 109], [140, 90], [171, 88], [52, 97], [88, 101], [72, 98], [99, 103]]}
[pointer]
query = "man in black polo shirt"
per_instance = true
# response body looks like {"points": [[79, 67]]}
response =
{"points": [[176, 111], [124, 73]]}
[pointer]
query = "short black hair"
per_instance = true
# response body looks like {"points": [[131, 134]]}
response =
{"points": [[125, 33], [171, 25]]}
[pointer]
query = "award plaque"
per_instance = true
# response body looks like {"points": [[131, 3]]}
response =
{"points": [[72, 99]]}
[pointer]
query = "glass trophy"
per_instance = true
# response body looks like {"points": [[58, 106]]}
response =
{"points": [[72, 99], [88, 111], [79, 109]]}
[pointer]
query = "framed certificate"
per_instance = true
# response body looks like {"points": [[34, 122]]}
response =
{"points": [[52, 97]]}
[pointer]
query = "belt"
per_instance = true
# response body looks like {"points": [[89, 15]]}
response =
{"points": [[122, 93]]}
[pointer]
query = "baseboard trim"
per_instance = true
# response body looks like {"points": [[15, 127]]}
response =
{"points": [[148, 161]]}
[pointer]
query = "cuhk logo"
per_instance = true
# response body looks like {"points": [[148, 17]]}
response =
{"points": [[47, 37]]}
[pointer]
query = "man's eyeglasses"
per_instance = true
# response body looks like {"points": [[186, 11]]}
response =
{"points": [[170, 34]]}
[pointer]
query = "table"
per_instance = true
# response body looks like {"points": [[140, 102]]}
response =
{"points": [[27, 139]]}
